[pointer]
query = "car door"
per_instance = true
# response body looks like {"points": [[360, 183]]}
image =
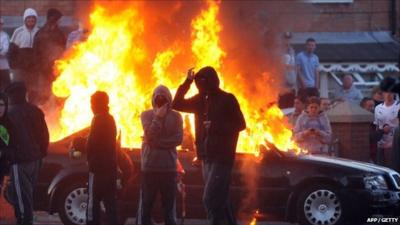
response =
{"points": [[274, 184]]}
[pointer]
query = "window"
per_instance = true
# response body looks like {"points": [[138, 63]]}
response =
{"points": [[329, 1]]}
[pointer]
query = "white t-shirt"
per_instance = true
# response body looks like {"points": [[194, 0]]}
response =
{"points": [[387, 115]]}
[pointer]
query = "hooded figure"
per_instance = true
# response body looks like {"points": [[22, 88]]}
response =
{"points": [[102, 161], [31, 139], [30, 126], [20, 54], [218, 121], [219, 107], [49, 45], [5, 130], [163, 132]]}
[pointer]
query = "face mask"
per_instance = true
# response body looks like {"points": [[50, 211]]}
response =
{"points": [[160, 101]]}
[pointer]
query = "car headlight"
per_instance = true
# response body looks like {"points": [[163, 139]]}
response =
{"points": [[375, 182]]}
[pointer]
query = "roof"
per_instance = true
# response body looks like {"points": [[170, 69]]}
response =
{"points": [[351, 46], [365, 52], [345, 112]]}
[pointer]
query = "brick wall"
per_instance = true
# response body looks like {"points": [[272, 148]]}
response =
{"points": [[17, 7], [353, 140], [361, 15]]}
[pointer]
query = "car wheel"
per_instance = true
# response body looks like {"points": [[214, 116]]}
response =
{"points": [[320, 205], [72, 204]]}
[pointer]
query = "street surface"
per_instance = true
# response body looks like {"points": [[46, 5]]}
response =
{"points": [[42, 218]]}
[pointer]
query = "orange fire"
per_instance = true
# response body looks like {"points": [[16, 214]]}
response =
{"points": [[117, 59], [254, 220]]}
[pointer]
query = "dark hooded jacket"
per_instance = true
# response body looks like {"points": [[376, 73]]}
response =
{"points": [[218, 144], [6, 143], [49, 45], [161, 136], [30, 134], [101, 143]]}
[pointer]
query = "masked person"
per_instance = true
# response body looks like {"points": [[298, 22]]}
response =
{"points": [[32, 138], [102, 161], [218, 121], [163, 132]]}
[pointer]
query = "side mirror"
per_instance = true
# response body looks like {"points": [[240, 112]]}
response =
{"points": [[78, 147]]}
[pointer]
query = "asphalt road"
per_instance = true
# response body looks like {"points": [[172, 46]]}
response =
{"points": [[42, 218]]}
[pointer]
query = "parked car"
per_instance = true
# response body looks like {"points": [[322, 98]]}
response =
{"points": [[297, 188]]}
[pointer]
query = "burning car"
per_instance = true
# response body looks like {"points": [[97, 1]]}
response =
{"points": [[298, 188]]}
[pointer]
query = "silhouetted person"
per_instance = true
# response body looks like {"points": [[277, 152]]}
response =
{"points": [[218, 121], [102, 161], [49, 45], [32, 140]]}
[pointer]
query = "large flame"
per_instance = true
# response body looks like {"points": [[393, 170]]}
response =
{"points": [[104, 62], [112, 60]]}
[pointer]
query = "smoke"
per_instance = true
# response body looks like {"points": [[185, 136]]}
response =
{"points": [[251, 37]]}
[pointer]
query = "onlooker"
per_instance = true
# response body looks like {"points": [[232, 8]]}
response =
{"points": [[374, 136], [313, 130], [102, 161], [368, 104], [396, 147], [32, 138], [163, 132], [299, 106], [78, 35], [308, 70], [21, 57], [325, 104], [386, 121], [49, 45], [218, 121], [4, 67], [286, 99], [289, 61], [377, 96], [348, 92]]}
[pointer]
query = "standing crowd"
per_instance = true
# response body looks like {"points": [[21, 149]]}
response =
{"points": [[26, 74], [311, 125]]}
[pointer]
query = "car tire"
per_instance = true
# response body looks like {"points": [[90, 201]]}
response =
{"points": [[320, 205], [72, 204]]}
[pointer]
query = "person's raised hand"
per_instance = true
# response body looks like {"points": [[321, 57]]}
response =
{"points": [[190, 75], [161, 111]]}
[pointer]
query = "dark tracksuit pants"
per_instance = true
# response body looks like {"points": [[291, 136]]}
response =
{"points": [[20, 193], [102, 187], [152, 183], [217, 178]]}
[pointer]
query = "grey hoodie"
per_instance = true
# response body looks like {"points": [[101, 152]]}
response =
{"points": [[161, 136], [314, 144]]}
